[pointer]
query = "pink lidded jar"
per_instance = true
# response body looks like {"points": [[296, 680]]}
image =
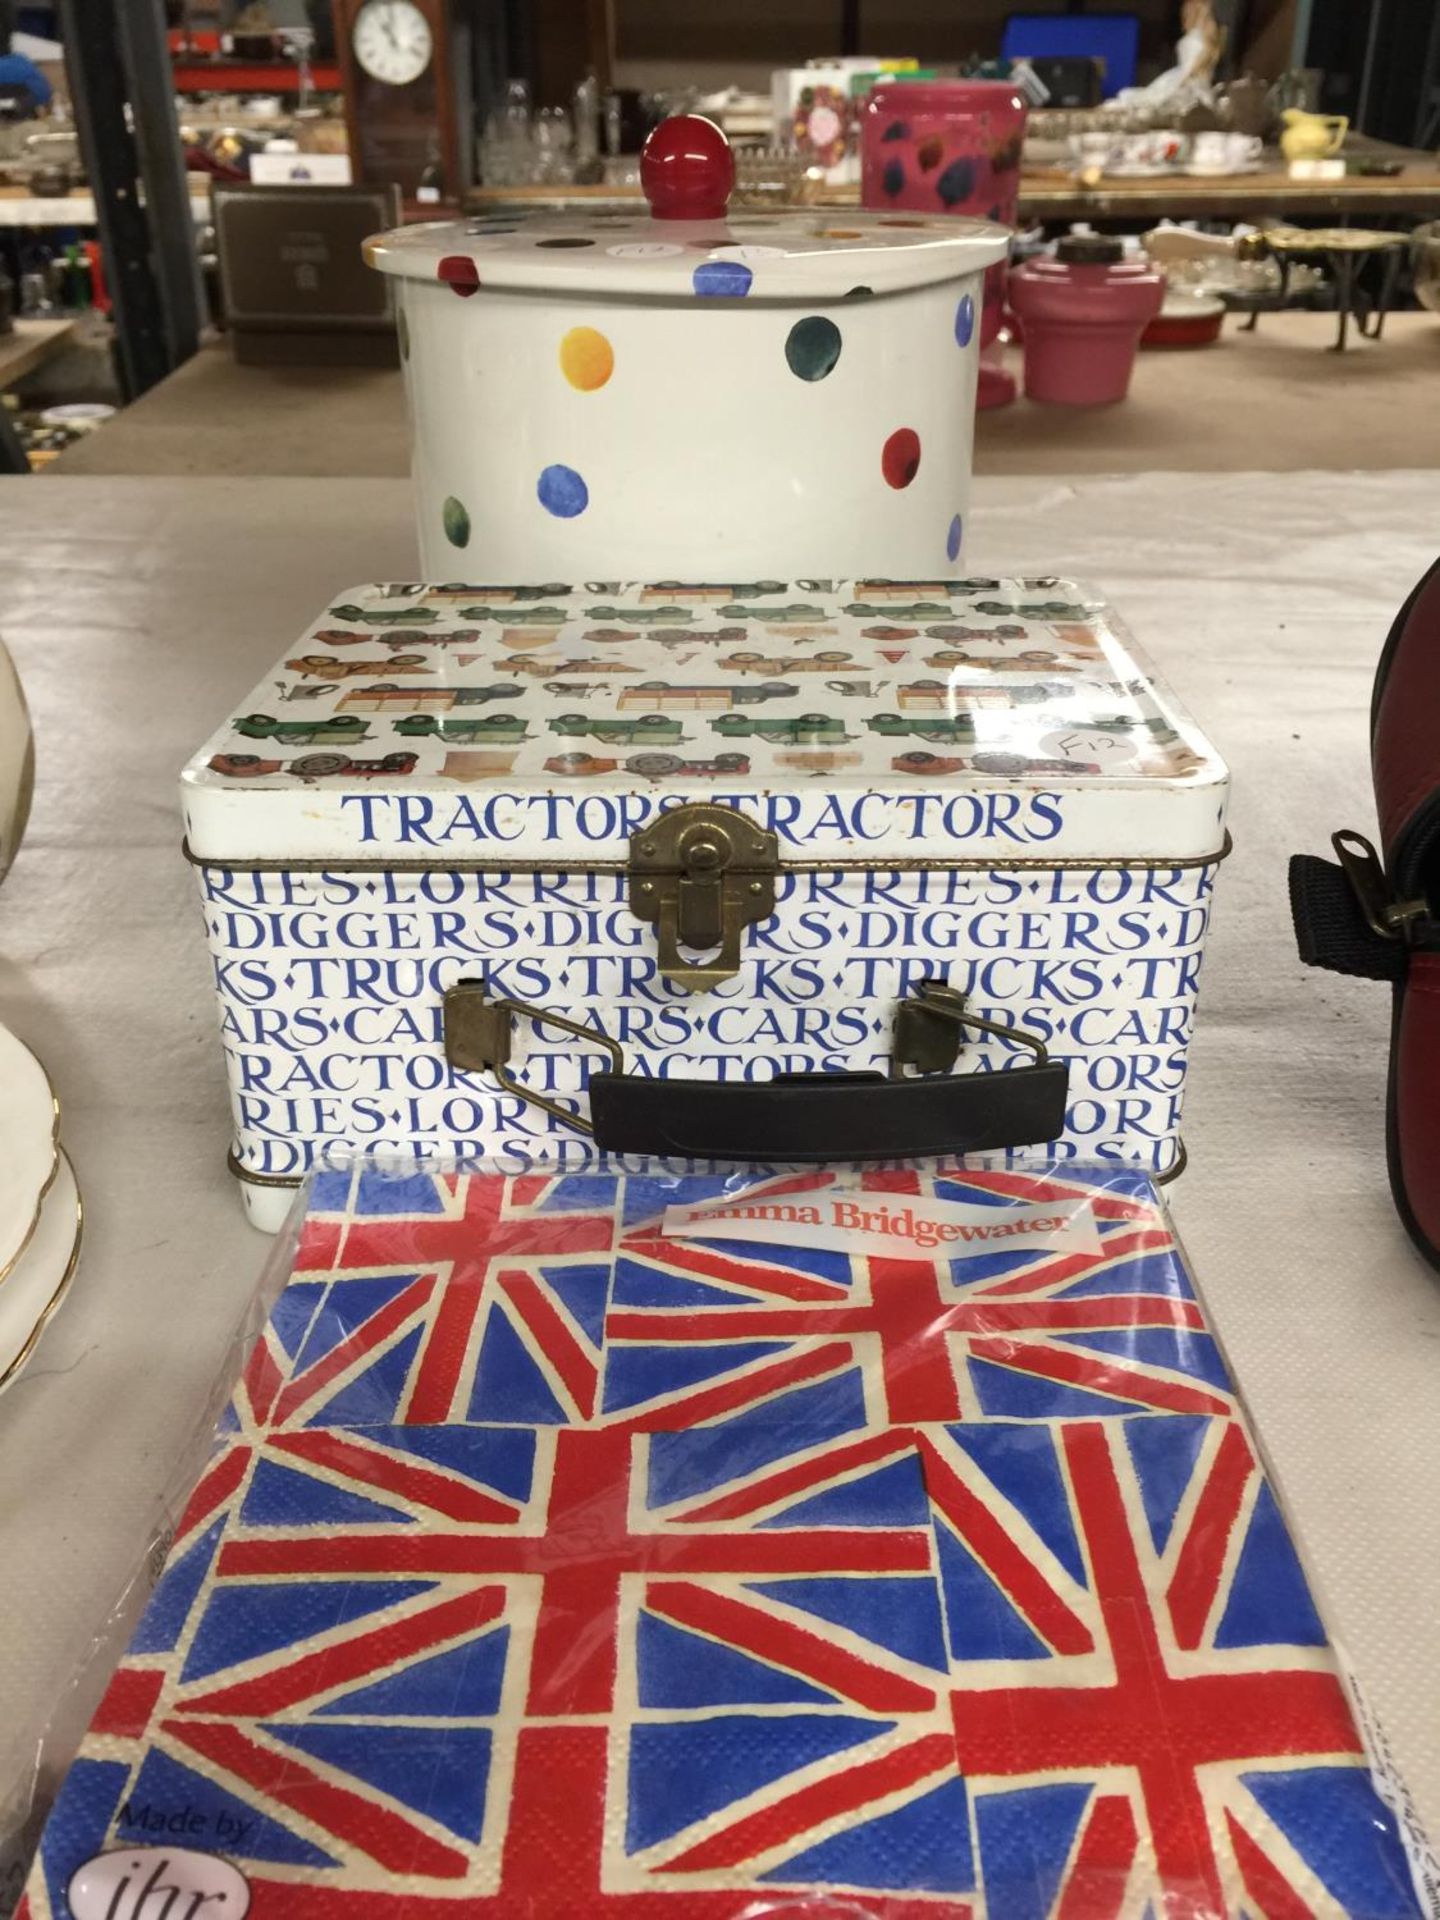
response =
{"points": [[946, 146], [1083, 313]]}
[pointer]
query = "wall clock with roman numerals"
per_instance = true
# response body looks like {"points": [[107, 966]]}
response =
{"points": [[404, 64]]}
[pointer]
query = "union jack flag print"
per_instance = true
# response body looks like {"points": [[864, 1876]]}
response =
{"points": [[839, 1643], [414, 1697], [424, 1298], [1145, 1704]]}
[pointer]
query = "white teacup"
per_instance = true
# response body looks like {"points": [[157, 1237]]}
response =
{"points": [[1094, 149], [1161, 147], [1220, 149]]}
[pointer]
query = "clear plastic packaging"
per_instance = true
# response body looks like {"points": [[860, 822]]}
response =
{"points": [[657, 1540]]}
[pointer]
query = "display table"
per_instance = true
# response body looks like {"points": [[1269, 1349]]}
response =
{"points": [[137, 610], [1274, 399], [76, 208], [1055, 193], [29, 344], [1413, 193]]}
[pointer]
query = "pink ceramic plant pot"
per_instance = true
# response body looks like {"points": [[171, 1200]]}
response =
{"points": [[1082, 313]]}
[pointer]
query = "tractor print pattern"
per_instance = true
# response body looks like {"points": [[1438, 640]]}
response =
{"points": [[584, 681]]}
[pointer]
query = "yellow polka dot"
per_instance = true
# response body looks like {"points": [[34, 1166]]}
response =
{"points": [[587, 358]]}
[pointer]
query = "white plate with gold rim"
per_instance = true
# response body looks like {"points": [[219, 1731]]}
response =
{"points": [[29, 1145], [17, 762], [39, 1280]]}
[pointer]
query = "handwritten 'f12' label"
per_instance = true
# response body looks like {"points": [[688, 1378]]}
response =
{"points": [[849, 1219]]}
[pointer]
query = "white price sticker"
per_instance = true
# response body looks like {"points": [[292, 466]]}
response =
{"points": [[851, 1219]]}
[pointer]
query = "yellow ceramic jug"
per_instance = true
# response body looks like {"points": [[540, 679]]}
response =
{"points": [[1312, 136]]}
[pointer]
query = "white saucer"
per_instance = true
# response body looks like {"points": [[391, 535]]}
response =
{"points": [[1198, 172], [29, 1145], [83, 414], [40, 1278]]}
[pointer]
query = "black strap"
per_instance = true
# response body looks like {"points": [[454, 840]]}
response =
{"points": [[1330, 926], [829, 1116]]}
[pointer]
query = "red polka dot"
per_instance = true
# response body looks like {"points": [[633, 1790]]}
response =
{"points": [[900, 461], [460, 273]]}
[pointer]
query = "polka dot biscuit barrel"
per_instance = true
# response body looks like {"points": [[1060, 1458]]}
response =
{"points": [[690, 391]]}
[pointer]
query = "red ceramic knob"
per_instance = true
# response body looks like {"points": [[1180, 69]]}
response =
{"points": [[687, 169]]}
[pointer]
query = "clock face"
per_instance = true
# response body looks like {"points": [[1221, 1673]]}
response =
{"points": [[392, 41]]}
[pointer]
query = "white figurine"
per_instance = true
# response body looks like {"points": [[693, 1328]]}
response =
{"points": [[1191, 80]]}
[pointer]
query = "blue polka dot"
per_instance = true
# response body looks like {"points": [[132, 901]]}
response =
{"points": [[964, 320], [562, 492], [722, 279], [953, 539]]}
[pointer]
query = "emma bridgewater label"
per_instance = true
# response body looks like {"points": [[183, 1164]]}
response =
{"points": [[842, 1216]]}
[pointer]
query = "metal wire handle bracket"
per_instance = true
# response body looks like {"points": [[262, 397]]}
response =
{"points": [[929, 1031], [478, 1035]]}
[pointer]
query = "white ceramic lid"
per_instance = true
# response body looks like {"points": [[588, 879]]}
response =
{"points": [[685, 244], [796, 254], [863, 720]]}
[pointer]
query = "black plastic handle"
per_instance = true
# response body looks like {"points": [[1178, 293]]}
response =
{"points": [[830, 1116]]}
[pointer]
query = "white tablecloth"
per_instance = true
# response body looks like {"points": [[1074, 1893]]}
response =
{"points": [[139, 611]]}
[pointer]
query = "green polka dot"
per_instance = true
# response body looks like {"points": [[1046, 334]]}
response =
{"points": [[456, 522], [402, 327], [812, 347]]}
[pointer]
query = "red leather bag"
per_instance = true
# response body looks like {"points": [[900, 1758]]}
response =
{"points": [[1377, 915]]}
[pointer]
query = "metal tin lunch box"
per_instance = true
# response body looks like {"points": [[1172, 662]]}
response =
{"points": [[481, 864], [625, 395]]}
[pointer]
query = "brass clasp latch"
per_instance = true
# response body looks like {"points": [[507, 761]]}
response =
{"points": [[929, 1030], [1392, 919], [700, 875]]}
